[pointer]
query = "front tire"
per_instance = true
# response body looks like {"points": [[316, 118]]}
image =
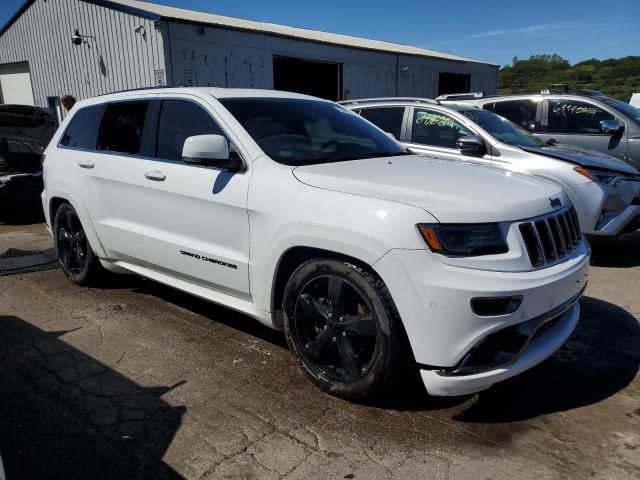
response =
{"points": [[343, 326], [75, 254]]}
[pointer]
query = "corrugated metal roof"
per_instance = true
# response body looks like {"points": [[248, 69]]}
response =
{"points": [[280, 30]]}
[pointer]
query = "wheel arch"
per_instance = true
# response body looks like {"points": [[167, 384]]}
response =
{"points": [[56, 200], [290, 260], [54, 204]]}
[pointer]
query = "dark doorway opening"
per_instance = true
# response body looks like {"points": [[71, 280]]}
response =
{"points": [[454, 83], [320, 79]]}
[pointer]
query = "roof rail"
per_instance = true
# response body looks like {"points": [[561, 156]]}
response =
{"points": [[460, 96], [388, 99], [134, 90]]}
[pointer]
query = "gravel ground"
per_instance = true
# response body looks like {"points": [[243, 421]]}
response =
{"points": [[135, 380]]}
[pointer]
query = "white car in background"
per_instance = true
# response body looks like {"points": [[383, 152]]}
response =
{"points": [[604, 190], [299, 213]]}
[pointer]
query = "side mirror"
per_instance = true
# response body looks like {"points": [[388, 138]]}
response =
{"points": [[611, 127], [210, 151], [471, 145]]}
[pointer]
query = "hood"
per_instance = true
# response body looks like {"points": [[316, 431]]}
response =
{"points": [[584, 157], [24, 134], [451, 191]]}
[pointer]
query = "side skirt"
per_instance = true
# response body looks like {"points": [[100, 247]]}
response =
{"points": [[214, 296]]}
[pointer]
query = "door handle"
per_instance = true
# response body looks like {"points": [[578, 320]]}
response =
{"points": [[86, 163], [156, 176]]}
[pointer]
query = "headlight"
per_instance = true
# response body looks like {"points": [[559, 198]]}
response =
{"points": [[604, 178], [468, 240]]}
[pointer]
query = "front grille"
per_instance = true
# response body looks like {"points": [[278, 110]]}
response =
{"points": [[551, 238]]}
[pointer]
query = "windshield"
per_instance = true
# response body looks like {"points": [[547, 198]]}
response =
{"points": [[624, 108], [502, 129], [301, 132]]}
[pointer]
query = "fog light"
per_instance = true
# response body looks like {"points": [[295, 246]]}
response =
{"points": [[495, 306]]}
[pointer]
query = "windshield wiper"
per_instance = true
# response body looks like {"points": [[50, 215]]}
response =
{"points": [[377, 155], [327, 159]]}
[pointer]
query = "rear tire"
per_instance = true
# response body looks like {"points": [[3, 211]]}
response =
{"points": [[75, 254], [343, 326]]}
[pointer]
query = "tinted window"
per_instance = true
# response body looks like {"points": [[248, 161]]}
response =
{"points": [[520, 112], [179, 120], [83, 129], [502, 128], [122, 126], [388, 119], [571, 116], [436, 129], [299, 131]]}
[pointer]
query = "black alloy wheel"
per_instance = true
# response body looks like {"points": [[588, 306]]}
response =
{"points": [[340, 321], [74, 250], [72, 243], [336, 326]]}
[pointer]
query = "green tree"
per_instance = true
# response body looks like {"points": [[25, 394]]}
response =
{"points": [[616, 77]]}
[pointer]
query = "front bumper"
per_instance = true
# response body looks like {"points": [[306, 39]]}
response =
{"points": [[604, 210], [434, 302], [538, 348]]}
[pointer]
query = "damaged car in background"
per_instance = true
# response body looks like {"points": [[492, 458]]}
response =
{"points": [[605, 191], [25, 132]]}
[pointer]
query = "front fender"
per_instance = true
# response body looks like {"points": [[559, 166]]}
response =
{"points": [[365, 248]]}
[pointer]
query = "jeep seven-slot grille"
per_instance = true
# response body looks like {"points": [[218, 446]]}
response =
{"points": [[551, 238]]}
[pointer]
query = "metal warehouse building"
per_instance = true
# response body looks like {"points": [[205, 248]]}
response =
{"points": [[90, 47]]}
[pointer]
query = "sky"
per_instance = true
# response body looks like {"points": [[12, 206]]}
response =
{"points": [[494, 31]]}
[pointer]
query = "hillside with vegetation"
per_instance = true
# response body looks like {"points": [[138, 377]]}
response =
{"points": [[616, 77]]}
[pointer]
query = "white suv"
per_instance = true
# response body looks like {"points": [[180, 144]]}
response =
{"points": [[301, 214]]}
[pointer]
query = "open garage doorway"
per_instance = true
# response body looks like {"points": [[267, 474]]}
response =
{"points": [[320, 79], [454, 83], [15, 84]]}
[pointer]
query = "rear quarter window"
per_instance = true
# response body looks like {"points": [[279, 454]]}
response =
{"points": [[82, 131]]}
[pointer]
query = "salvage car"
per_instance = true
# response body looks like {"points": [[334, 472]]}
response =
{"points": [[587, 118], [299, 213], [25, 132], [604, 190]]}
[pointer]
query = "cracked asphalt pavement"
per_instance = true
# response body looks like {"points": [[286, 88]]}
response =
{"points": [[135, 380]]}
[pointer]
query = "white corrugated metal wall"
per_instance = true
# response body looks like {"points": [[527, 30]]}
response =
{"points": [[118, 58], [127, 52], [213, 56]]}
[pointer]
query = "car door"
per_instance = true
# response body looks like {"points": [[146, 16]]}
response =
{"points": [[436, 132], [388, 118], [196, 218], [577, 122], [104, 143]]}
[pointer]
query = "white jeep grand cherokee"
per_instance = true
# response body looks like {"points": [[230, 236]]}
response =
{"points": [[299, 213]]}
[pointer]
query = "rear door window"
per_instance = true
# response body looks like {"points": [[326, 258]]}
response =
{"points": [[575, 117], [82, 131], [122, 127], [520, 112], [436, 129], [180, 119], [388, 119]]}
